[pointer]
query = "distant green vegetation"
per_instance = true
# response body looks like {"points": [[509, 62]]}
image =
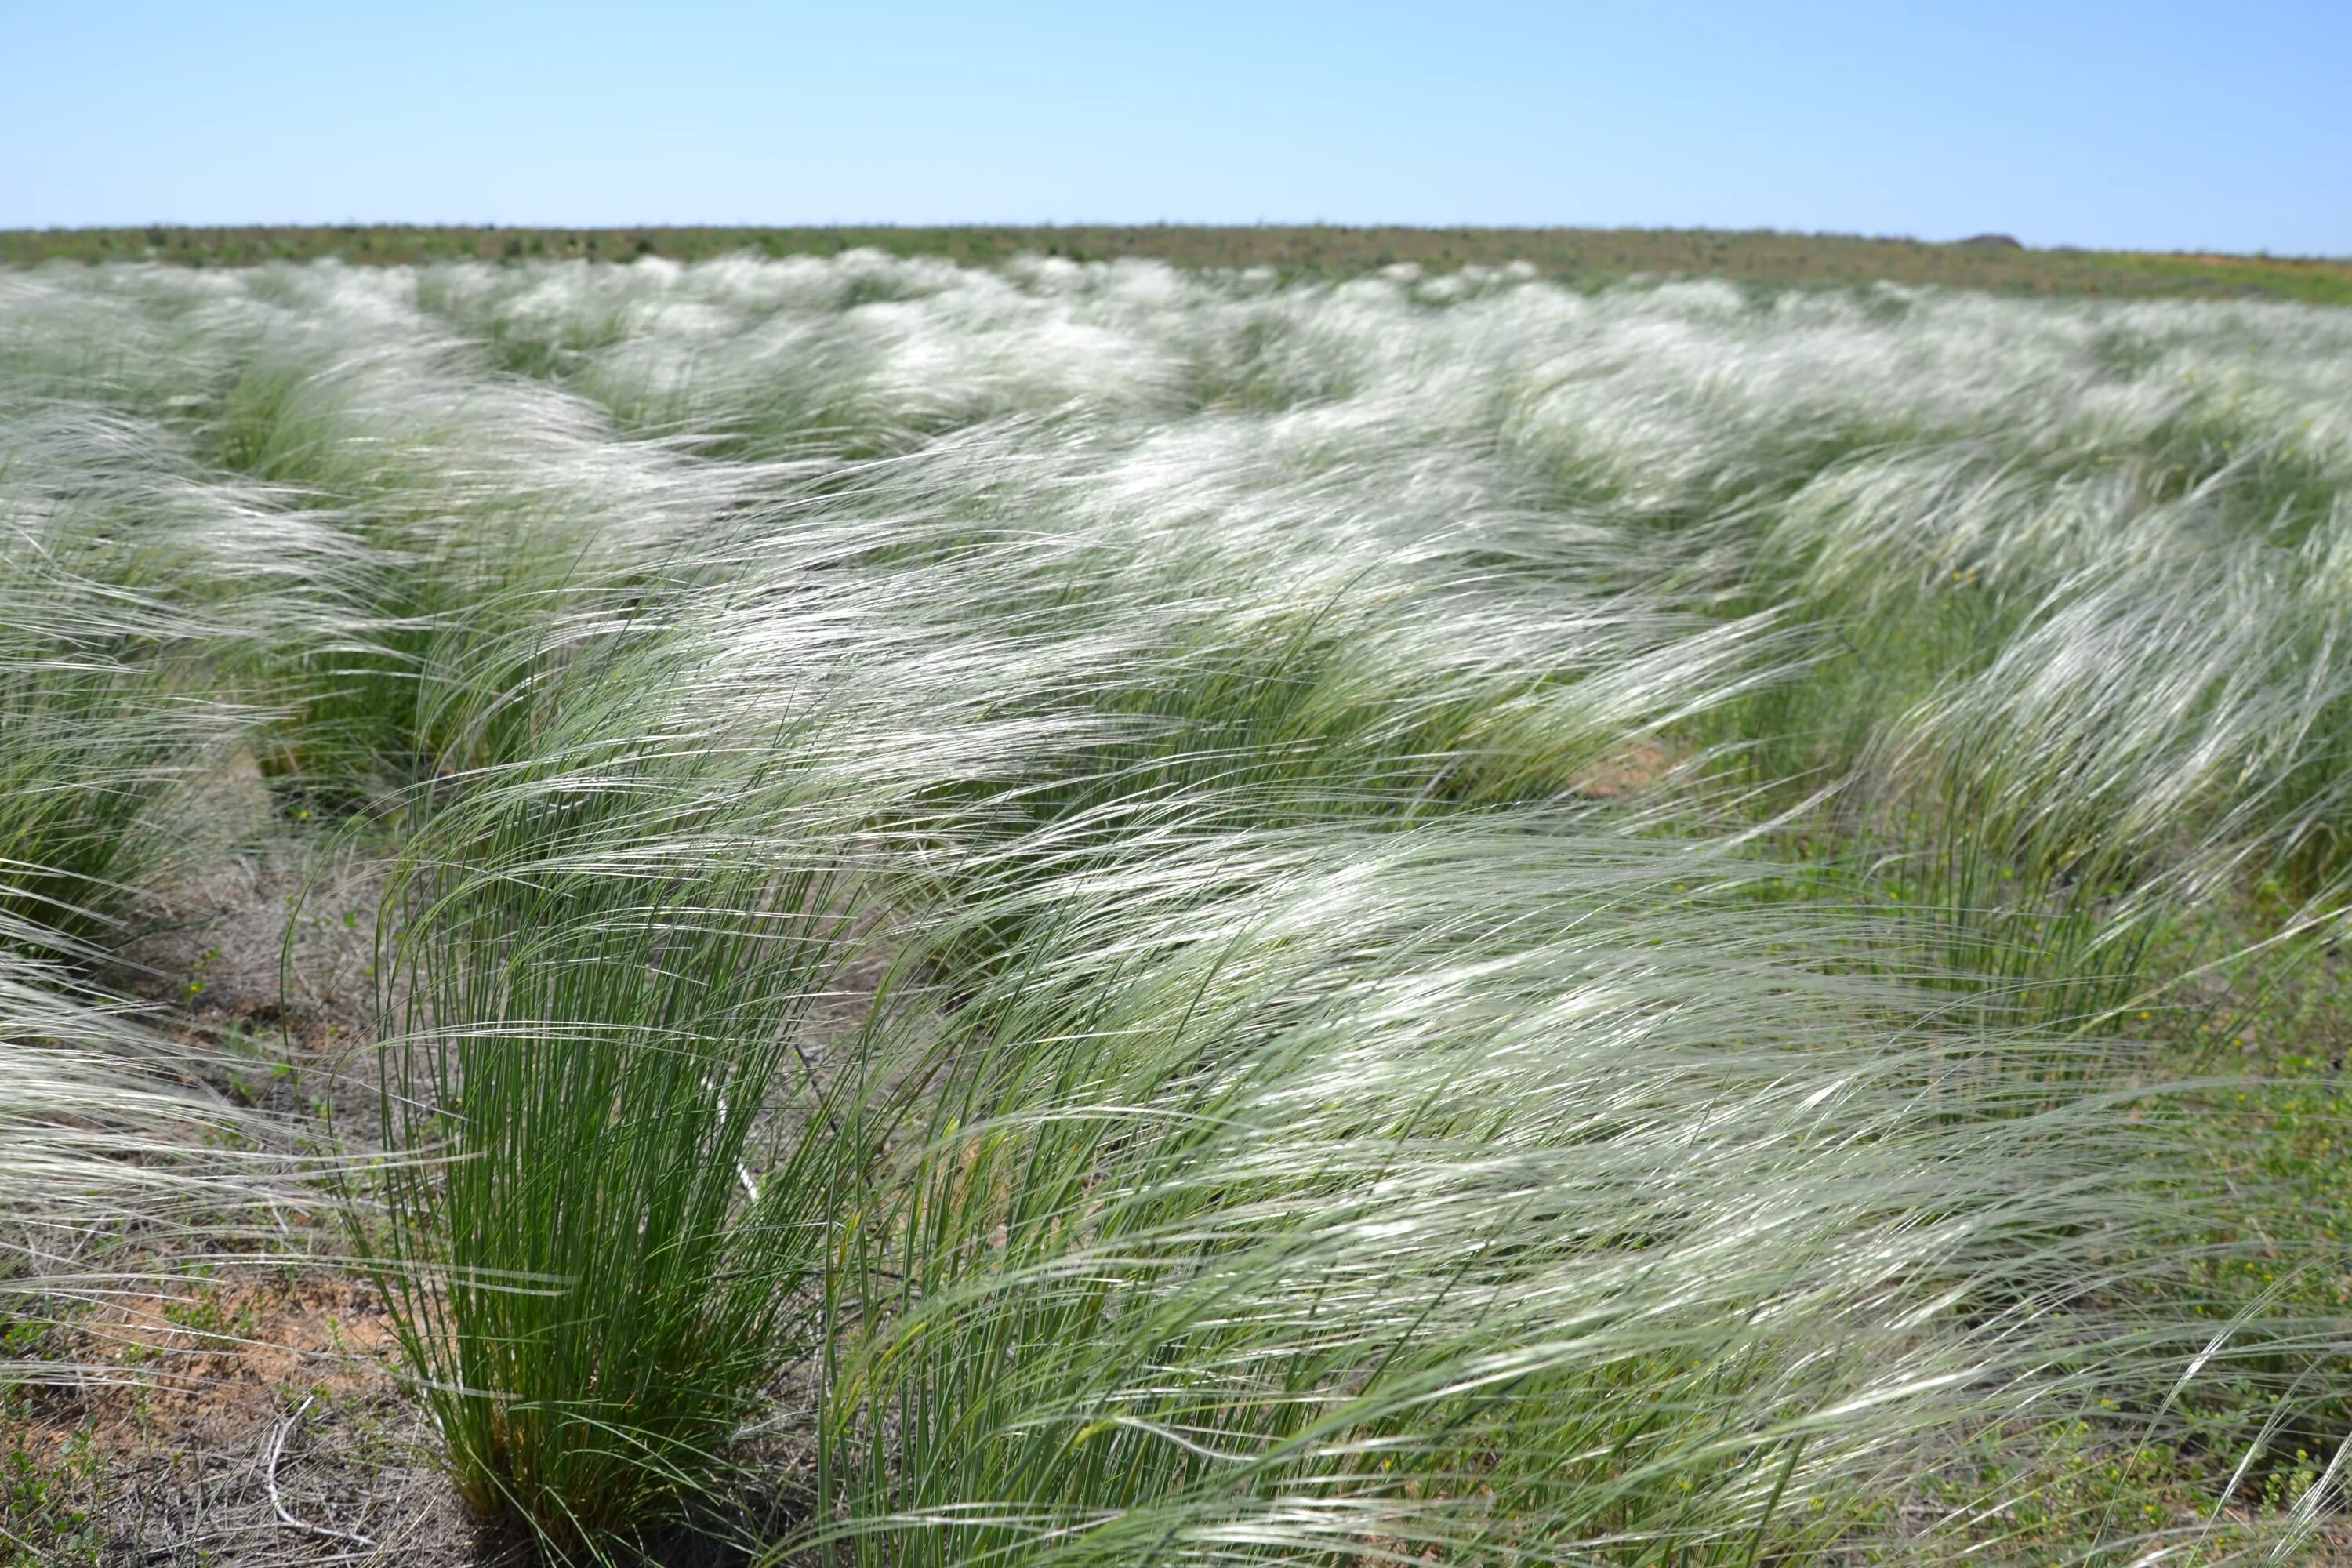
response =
{"points": [[1594, 255]]}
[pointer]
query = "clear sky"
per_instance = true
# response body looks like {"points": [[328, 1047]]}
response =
{"points": [[2161, 124]]}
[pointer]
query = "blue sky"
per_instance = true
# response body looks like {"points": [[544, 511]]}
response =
{"points": [[2161, 124]]}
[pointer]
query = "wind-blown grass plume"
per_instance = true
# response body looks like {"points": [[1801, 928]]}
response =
{"points": [[2097, 807], [1325, 1196], [860, 357], [108, 1137], [442, 517], [2081, 709], [596, 1007], [111, 673], [487, 510]]}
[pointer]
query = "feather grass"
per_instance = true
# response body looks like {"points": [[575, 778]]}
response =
{"points": [[1505, 915]]}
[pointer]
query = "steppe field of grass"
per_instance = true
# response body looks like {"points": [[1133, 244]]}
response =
{"points": [[879, 910]]}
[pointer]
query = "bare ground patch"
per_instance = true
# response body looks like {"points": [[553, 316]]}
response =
{"points": [[247, 1421]]}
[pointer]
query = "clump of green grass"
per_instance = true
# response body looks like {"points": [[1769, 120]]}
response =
{"points": [[623, 1165]]}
